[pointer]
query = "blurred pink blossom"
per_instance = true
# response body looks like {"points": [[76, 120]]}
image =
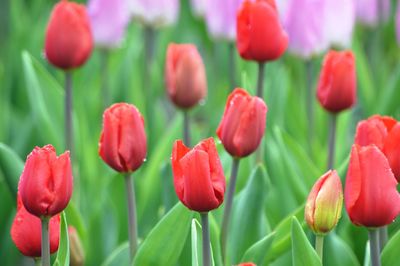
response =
{"points": [[368, 11], [398, 22], [108, 19], [155, 13]]}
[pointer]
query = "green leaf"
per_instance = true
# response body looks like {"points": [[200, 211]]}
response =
{"points": [[390, 254], [196, 244], [11, 165], [62, 258], [247, 215], [257, 252], [337, 252], [165, 242], [303, 254], [120, 256]]}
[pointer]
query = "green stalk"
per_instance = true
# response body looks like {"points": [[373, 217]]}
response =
{"points": [[319, 245], [232, 66], [383, 237], [206, 239], [45, 241], [68, 111], [186, 128], [374, 247], [131, 203], [332, 140]]}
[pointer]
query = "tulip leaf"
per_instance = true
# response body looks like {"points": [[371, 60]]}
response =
{"points": [[120, 256], [390, 254], [11, 165], [257, 252], [303, 254], [337, 252], [62, 258], [196, 244], [247, 215], [165, 242]]}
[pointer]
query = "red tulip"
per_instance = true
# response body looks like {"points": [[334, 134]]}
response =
{"points": [[77, 255], [46, 182], [324, 203], [260, 35], [185, 75], [392, 150], [198, 175], [26, 232], [337, 82], [371, 196], [68, 37], [246, 264], [123, 138], [243, 124]]}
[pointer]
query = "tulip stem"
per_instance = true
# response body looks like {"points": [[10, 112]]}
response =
{"points": [[45, 241], [206, 239], [310, 103], [228, 206], [232, 66], [260, 80], [68, 111], [332, 139], [383, 237], [38, 261], [105, 93], [132, 229], [374, 247], [186, 128], [319, 245]]}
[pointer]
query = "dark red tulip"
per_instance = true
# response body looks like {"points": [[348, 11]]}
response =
{"points": [[123, 138], [68, 37], [198, 175], [46, 183], [337, 81], [243, 123], [371, 195], [185, 75], [26, 232], [260, 35]]}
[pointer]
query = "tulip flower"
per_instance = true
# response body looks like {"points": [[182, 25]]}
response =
{"points": [[371, 12], [247, 264], [108, 19], [155, 13], [391, 149], [123, 147], [26, 232], [199, 182], [185, 78], [77, 255]]}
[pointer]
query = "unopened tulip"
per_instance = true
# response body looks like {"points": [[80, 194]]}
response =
{"points": [[26, 232], [122, 142], [108, 19], [46, 183], [371, 12], [336, 89], [260, 35], [246, 264], [243, 123], [68, 37], [77, 255], [198, 175], [392, 150], [324, 203], [371, 196], [155, 13], [185, 75]]}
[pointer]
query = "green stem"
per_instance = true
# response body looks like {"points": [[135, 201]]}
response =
{"points": [[310, 102], [383, 237], [38, 261], [319, 245], [105, 93], [206, 239], [332, 140], [260, 80], [232, 66], [45, 241], [374, 247], [186, 128], [68, 111], [228, 207], [131, 203]]}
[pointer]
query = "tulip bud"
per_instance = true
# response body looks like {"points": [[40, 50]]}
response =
{"points": [[155, 13], [337, 82], [199, 179], [324, 203], [370, 194], [260, 35], [26, 232], [68, 37], [243, 123], [391, 149], [247, 264], [122, 142], [46, 183], [185, 75], [77, 255], [108, 20]]}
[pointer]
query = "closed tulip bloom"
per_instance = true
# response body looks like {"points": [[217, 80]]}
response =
{"points": [[26, 232], [155, 13], [108, 19], [324, 203], [247, 264], [46, 183], [336, 89], [260, 35], [68, 37], [371, 196], [243, 124], [123, 143], [392, 150], [370, 12], [198, 175], [185, 75]]}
